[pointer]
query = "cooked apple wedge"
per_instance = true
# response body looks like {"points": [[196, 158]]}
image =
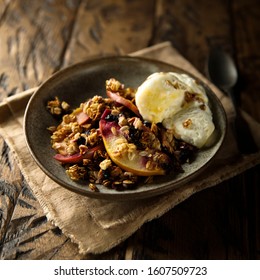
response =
{"points": [[77, 158], [82, 118], [127, 156], [123, 101]]}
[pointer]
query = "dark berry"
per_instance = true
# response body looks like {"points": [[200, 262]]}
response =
{"points": [[81, 141], [111, 118]]}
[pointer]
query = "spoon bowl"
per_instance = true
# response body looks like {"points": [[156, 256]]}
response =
{"points": [[222, 70]]}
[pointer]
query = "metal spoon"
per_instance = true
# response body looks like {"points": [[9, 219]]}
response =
{"points": [[223, 73]]}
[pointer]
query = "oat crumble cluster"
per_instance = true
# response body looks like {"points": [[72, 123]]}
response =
{"points": [[106, 142]]}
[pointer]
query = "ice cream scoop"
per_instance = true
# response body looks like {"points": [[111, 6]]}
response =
{"points": [[179, 103]]}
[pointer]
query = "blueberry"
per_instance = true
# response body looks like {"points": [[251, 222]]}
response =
{"points": [[81, 141], [111, 118]]}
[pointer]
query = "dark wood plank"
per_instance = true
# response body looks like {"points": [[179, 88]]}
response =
{"points": [[245, 37], [246, 32], [110, 28], [216, 223], [34, 36], [193, 27]]}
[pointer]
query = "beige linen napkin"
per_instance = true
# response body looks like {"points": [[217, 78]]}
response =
{"points": [[98, 225]]}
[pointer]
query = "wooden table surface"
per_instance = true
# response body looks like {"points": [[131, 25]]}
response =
{"points": [[38, 38]]}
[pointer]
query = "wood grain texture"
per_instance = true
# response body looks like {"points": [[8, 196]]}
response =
{"points": [[212, 224], [193, 28], [110, 28], [34, 37], [38, 38], [246, 28], [25, 232]]}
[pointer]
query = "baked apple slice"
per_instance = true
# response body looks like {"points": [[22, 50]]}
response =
{"points": [[78, 157], [113, 89], [82, 118], [126, 155], [123, 101]]}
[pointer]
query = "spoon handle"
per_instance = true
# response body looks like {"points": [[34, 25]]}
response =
{"points": [[230, 92], [222, 71], [245, 141]]}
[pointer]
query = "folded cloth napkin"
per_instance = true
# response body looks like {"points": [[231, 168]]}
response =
{"points": [[98, 225]]}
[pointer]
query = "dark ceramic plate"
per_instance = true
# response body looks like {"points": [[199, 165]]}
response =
{"points": [[82, 81]]}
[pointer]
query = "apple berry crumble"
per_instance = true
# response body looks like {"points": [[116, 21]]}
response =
{"points": [[106, 141]]}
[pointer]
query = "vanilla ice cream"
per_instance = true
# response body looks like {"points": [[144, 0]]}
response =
{"points": [[179, 103]]}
